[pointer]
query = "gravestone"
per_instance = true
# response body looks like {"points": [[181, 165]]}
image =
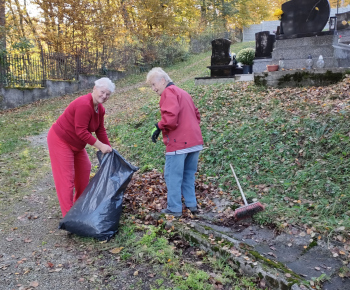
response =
{"points": [[220, 51], [264, 42], [222, 64], [304, 16], [343, 20]]}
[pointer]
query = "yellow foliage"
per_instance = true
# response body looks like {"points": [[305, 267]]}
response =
{"points": [[278, 12]]}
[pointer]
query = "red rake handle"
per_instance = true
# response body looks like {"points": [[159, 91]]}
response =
{"points": [[239, 186]]}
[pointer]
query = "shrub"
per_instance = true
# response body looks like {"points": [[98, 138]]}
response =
{"points": [[246, 56]]}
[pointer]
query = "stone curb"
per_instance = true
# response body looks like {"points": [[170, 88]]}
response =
{"points": [[242, 256]]}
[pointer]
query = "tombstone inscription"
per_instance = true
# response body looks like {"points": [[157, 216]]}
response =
{"points": [[264, 42]]}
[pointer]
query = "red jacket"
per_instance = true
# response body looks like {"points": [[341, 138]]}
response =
{"points": [[77, 122], [180, 120]]}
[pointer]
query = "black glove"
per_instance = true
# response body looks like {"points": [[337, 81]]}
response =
{"points": [[155, 133]]}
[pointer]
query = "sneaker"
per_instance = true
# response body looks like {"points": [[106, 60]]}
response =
{"points": [[193, 209], [166, 211]]}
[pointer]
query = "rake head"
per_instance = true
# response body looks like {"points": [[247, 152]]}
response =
{"points": [[248, 211]]}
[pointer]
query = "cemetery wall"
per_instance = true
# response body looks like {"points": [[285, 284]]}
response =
{"points": [[12, 98], [249, 32]]}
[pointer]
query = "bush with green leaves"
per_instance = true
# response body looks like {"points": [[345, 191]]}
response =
{"points": [[246, 56]]}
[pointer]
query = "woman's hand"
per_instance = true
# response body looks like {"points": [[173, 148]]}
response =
{"points": [[103, 147]]}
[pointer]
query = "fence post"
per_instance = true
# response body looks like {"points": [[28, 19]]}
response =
{"points": [[43, 67], [77, 71]]}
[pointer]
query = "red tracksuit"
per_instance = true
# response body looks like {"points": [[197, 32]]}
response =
{"points": [[67, 139]]}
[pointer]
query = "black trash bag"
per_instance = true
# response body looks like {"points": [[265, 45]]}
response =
{"points": [[97, 211]]}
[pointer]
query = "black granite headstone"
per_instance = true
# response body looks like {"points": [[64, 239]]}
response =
{"points": [[343, 20], [220, 51], [304, 16], [264, 42], [222, 65]]}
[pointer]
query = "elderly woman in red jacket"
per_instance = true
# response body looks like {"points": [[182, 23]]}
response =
{"points": [[68, 137], [182, 137]]}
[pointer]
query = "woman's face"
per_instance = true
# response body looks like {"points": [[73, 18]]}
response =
{"points": [[158, 85], [100, 95]]}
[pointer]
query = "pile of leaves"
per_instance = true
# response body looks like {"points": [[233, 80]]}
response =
{"points": [[147, 194]]}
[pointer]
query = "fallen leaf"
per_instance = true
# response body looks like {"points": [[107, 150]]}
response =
{"points": [[34, 284], [116, 250]]}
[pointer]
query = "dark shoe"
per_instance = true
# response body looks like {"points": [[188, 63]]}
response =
{"points": [[166, 211], [193, 209]]}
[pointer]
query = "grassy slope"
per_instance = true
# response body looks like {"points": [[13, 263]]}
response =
{"points": [[289, 147]]}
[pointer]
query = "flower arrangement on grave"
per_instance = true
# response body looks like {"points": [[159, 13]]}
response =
{"points": [[278, 13], [246, 56]]}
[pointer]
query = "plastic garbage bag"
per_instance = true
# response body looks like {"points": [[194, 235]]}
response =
{"points": [[97, 211]]}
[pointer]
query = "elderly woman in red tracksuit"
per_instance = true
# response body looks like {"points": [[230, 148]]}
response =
{"points": [[68, 137], [182, 137]]}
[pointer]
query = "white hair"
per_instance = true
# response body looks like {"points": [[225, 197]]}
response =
{"points": [[105, 83], [157, 73]]}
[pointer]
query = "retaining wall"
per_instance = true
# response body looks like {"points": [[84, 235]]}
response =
{"points": [[12, 98]]}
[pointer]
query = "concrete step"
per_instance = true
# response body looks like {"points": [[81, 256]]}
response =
{"points": [[329, 62], [300, 52], [306, 41], [244, 77]]}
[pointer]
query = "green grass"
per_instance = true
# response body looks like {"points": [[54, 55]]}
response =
{"points": [[153, 246]]}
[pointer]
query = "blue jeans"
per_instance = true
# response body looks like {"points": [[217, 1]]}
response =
{"points": [[179, 174]]}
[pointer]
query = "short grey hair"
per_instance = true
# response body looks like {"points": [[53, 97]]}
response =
{"points": [[105, 83], [157, 73]]}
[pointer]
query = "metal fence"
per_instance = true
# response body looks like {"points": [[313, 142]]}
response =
{"points": [[29, 70], [32, 70]]}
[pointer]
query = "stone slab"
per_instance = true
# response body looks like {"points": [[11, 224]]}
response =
{"points": [[244, 77], [211, 81]]}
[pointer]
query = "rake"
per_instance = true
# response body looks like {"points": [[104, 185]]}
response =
{"points": [[248, 210]]}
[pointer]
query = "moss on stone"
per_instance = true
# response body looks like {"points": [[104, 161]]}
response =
{"points": [[299, 77], [294, 279], [260, 80]]}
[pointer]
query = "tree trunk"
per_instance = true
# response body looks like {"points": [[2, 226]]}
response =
{"points": [[2, 26]]}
